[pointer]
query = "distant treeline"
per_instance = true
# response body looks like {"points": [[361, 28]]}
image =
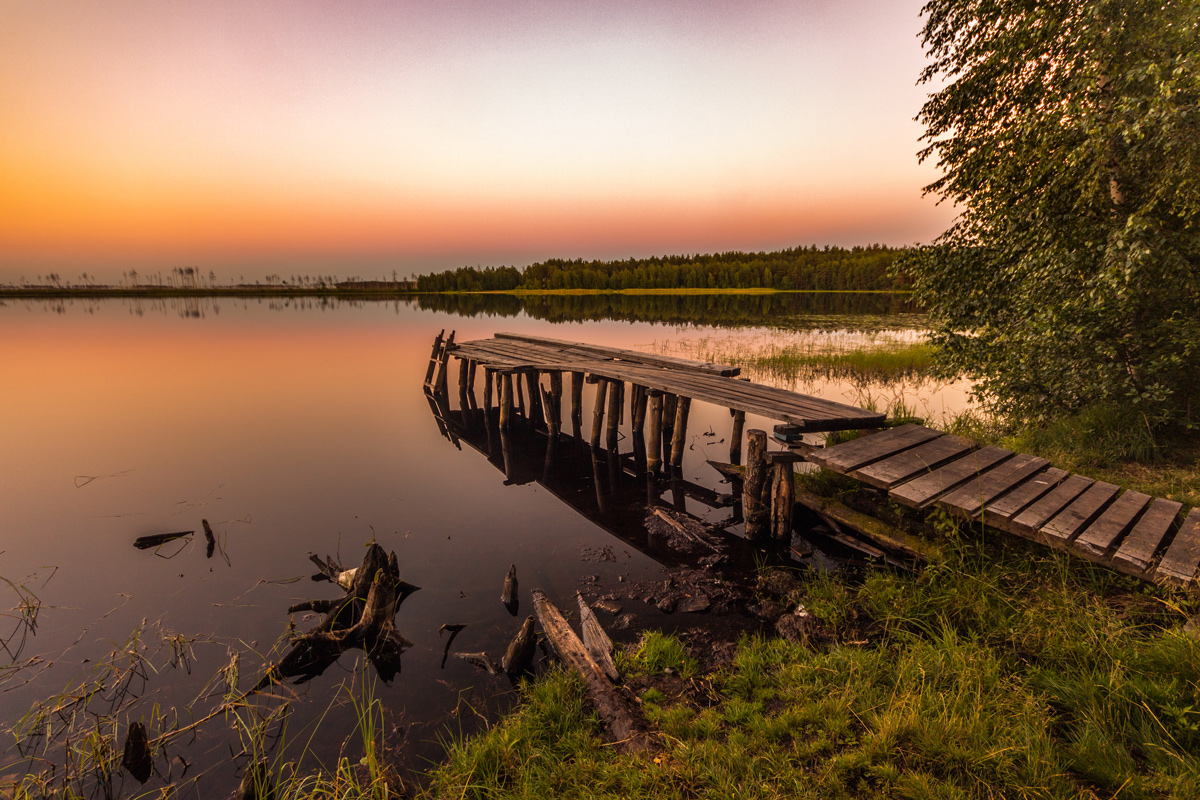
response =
{"points": [[812, 268]]}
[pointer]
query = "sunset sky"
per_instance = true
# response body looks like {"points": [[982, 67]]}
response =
{"points": [[362, 138]]}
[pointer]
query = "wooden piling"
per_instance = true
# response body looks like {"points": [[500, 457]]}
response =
{"points": [[598, 410], [443, 365], [783, 500], [612, 429], [638, 408], [577, 402], [520, 394], [679, 435], [654, 435], [464, 369], [533, 383], [670, 402], [487, 391], [752, 489], [433, 358], [556, 400], [506, 399], [735, 438]]}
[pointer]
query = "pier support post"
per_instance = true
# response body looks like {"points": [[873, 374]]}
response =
{"points": [[612, 430], [506, 399], [670, 401], [735, 438], [533, 383], [433, 359], [783, 500], [598, 410], [752, 489], [577, 403], [679, 434], [556, 390], [520, 394], [654, 436], [637, 412], [464, 370], [487, 392]]}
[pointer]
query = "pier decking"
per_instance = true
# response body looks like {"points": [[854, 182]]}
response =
{"points": [[1023, 495], [695, 380]]}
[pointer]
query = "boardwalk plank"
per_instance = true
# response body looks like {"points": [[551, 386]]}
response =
{"points": [[968, 500], [1178, 565], [1036, 514], [923, 490], [1066, 524], [1002, 510], [869, 449], [1136, 553], [1099, 537], [906, 465], [633, 356]]}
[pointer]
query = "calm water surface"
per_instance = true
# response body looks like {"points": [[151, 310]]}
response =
{"points": [[298, 427]]}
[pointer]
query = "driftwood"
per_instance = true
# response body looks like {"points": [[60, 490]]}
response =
{"points": [[616, 708], [146, 542], [595, 640], [481, 660], [508, 595], [518, 658], [363, 619]]}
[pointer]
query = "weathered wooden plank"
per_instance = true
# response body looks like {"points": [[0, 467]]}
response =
{"points": [[1020, 497], [970, 498], [1066, 524], [1037, 513], [1136, 553], [866, 450], [628, 355], [907, 465], [1178, 565], [1099, 537], [927, 488]]}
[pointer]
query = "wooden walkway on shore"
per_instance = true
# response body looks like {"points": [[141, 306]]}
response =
{"points": [[1024, 495]]}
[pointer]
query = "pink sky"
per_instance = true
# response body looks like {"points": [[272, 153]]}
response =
{"points": [[364, 138]]}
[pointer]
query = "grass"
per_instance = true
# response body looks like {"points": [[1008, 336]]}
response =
{"points": [[1001, 672]]}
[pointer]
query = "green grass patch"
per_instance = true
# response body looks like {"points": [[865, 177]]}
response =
{"points": [[1001, 672]]}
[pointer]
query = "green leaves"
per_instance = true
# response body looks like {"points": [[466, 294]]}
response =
{"points": [[1069, 133]]}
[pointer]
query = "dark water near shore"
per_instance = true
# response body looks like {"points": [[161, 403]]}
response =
{"points": [[297, 426]]}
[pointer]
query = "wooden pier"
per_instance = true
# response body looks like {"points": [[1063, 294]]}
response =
{"points": [[653, 394], [1024, 495]]}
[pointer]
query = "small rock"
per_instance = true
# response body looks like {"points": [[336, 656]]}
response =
{"points": [[694, 604], [667, 605], [608, 606]]}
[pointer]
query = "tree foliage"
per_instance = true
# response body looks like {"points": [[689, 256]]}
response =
{"points": [[1068, 134]]}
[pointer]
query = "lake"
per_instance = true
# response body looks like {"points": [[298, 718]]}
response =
{"points": [[297, 427]]}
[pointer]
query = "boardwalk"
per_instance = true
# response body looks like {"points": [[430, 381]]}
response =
{"points": [[1024, 495]]}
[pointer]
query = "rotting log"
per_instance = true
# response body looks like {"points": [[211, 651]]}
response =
{"points": [[616, 709], [735, 438], [595, 640], [783, 500], [752, 489], [679, 434], [598, 411], [654, 435], [518, 658]]}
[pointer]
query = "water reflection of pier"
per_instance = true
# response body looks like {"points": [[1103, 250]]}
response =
{"points": [[608, 487]]}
